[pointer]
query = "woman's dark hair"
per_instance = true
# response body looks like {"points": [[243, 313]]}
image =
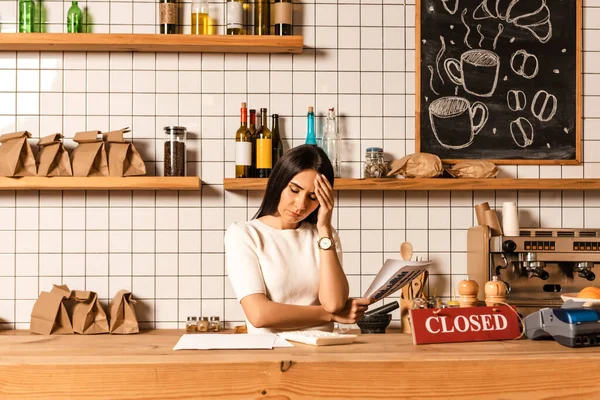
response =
{"points": [[294, 161]]}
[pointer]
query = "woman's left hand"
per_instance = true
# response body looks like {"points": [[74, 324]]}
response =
{"points": [[324, 193]]}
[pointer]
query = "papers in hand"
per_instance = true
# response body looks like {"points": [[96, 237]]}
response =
{"points": [[393, 276], [229, 341]]}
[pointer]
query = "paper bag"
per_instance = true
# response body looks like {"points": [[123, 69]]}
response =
{"points": [[473, 169], [49, 315], [54, 159], [123, 158], [16, 157], [88, 316], [122, 313], [418, 165], [89, 157]]}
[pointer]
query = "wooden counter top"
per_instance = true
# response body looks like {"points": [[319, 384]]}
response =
{"points": [[144, 366]]}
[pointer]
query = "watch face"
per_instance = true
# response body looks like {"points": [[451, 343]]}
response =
{"points": [[325, 243]]}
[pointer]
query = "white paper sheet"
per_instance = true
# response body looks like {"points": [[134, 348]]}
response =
{"points": [[394, 275], [229, 341]]}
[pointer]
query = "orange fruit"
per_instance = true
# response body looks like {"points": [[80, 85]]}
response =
{"points": [[589, 292]]}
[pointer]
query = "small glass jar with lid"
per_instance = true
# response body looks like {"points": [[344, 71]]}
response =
{"points": [[215, 324], [191, 325], [203, 324], [374, 163], [175, 150]]}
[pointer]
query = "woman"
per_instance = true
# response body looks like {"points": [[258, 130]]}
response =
{"points": [[284, 264]]}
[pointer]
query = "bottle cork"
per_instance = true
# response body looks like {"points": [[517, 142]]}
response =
{"points": [[311, 109], [468, 290], [495, 292]]}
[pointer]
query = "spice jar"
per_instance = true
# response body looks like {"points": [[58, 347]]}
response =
{"points": [[215, 324], [175, 150], [374, 163], [203, 324], [191, 325]]}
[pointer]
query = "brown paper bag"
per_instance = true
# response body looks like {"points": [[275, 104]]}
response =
{"points": [[418, 165], [88, 316], [89, 157], [49, 315], [16, 157], [122, 313], [123, 158], [479, 169], [54, 159]]}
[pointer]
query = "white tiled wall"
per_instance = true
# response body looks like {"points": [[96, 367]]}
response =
{"points": [[167, 247]]}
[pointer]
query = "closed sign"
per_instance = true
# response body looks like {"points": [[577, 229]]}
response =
{"points": [[468, 324]]}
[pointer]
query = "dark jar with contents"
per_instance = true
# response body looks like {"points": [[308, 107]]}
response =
{"points": [[175, 150], [167, 16]]}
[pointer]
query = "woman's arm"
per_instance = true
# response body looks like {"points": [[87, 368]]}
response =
{"points": [[333, 285], [264, 313]]}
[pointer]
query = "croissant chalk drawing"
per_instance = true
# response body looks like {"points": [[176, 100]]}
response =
{"points": [[532, 15]]}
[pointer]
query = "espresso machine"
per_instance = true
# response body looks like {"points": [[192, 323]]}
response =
{"points": [[537, 267]]}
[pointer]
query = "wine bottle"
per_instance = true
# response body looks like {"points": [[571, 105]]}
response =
{"points": [[26, 13], [281, 17], [252, 130], [235, 17], [167, 16], [310, 132], [277, 142], [243, 146], [262, 21], [200, 17], [331, 142], [74, 19], [264, 148]]}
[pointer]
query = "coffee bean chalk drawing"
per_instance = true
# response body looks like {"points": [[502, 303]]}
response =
{"points": [[521, 131], [540, 109], [516, 100]]}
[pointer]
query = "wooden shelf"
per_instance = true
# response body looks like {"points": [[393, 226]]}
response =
{"points": [[149, 43], [101, 183], [436, 184]]}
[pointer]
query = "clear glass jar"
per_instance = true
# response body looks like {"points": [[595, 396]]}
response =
{"points": [[175, 150], [374, 163], [203, 324], [191, 325], [215, 324]]}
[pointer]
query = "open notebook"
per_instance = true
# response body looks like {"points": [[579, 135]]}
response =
{"points": [[394, 275]]}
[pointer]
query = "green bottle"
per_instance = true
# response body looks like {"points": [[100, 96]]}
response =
{"points": [[26, 16], [74, 19]]}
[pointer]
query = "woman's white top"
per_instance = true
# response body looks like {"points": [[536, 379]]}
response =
{"points": [[283, 264]]}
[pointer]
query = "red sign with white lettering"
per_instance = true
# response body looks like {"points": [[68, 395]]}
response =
{"points": [[469, 324]]}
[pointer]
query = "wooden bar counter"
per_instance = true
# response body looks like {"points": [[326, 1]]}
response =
{"points": [[144, 366]]}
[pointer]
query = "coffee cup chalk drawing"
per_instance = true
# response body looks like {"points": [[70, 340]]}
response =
{"points": [[494, 72]]}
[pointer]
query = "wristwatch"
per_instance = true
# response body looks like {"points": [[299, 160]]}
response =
{"points": [[325, 243]]}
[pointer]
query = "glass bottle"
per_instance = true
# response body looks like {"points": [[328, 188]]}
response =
{"points": [[203, 324], [281, 17], [374, 163], [74, 19], [243, 146], [235, 17], [310, 132], [200, 17], [252, 130], [191, 325], [215, 324], [264, 148], [262, 21], [26, 15], [331, 142], [175, 150], [277, 142], [167, 16]]}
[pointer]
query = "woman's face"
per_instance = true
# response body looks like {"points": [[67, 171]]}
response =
{"points": [[298, 200]]}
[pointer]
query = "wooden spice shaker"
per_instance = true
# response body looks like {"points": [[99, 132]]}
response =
{"points": [[468, 290], [495, 292]]}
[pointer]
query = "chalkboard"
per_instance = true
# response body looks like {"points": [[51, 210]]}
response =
{"points": [[499, 80]]}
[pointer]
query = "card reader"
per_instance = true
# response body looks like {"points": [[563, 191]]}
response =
{"points": [[572, 327]]}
